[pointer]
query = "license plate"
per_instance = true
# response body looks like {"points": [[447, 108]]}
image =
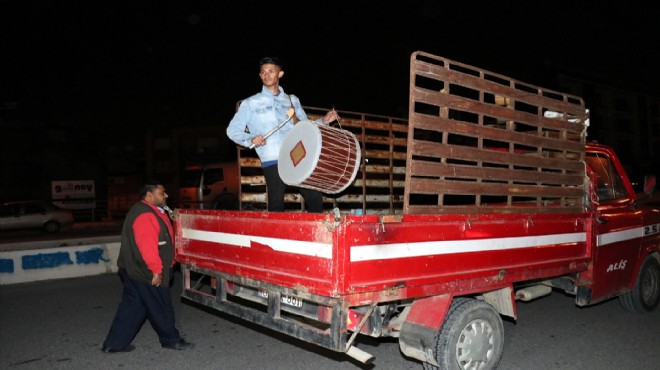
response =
{"points": [[286, 299]]}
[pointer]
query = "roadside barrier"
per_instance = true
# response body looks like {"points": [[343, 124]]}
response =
{"points": [[34, 261]]}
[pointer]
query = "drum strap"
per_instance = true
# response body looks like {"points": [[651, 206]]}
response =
{"points": [[295, 117]]}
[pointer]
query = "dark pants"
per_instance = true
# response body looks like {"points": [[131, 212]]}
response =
{"points": [[139, 302], [277, 188]]}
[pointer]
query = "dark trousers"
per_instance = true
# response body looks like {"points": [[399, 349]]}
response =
{"points": [[277, 188], [139, 302]]}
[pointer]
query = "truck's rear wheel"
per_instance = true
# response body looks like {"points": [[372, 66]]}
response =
{"points": [[472, 337], [645, 295]]}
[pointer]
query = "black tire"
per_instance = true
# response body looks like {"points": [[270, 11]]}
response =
{"points": [[472, 337], [51, 227], [645, 294]]}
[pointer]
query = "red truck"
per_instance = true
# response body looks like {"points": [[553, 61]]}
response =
{"points": [[489, 193]]}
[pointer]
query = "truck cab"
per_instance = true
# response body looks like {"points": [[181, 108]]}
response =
{"points": [[209, 186], [625, 249]]}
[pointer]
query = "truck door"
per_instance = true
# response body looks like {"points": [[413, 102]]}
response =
{"points": [[213, 184], [189, 191], [619, 228]]}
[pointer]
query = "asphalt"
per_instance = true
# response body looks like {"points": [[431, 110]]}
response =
{"points": [[81, 233]]}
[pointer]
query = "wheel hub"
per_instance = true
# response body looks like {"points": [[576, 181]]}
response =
{"points": [[475, 346]]}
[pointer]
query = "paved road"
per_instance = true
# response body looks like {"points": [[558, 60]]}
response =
{"points": [[66, 235], [61, 324]]}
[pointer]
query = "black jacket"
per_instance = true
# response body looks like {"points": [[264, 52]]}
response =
{"points": [[130, 257]]}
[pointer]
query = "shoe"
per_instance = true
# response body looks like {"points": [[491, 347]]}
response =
{"points": [[128, 348], [181, 345]]}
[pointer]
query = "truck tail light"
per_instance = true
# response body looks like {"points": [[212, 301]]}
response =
{"points": [[353, 320]]}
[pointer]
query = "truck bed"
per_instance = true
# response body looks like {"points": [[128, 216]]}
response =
{"points": [[371, 258]]}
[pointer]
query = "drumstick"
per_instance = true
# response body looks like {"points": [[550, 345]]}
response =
{"points": [[337, 114], [289, 115]]}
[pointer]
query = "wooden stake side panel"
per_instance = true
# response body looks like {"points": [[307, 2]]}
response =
{"points": [[483, 142], [379, 185]]}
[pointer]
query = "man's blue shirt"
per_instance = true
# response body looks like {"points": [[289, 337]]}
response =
{"points": [[260, 113]]}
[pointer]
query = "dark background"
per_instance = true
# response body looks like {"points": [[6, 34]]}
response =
{"points": [[80, 79]]}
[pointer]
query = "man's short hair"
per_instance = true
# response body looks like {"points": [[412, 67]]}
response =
{"points": [[271, 60], [149, 186]]}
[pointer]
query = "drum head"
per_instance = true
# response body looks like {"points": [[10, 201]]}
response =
{"points": [[299, 153]]}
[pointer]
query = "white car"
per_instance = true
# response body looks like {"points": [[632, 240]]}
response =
{"points": [[34, 215]]}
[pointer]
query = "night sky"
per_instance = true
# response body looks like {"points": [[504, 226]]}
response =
{"points": [[148, 63], [82, 79]]}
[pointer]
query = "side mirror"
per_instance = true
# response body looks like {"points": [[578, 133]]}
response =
{"points": [[649, 184]]}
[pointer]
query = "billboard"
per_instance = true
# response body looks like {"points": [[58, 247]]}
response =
{"points": [[74, 194]]}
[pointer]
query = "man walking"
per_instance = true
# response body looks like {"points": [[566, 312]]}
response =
{"points": [[145, 262]]}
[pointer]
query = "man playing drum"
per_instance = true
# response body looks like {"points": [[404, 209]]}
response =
{"points": [[262, 113]]}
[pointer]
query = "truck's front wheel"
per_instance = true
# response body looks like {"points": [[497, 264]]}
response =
{"points": [[472, 337], [645, 295]]}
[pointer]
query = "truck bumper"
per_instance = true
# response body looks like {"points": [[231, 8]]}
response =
{"points": [[261, 304]]}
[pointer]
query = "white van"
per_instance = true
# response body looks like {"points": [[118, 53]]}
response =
{"points": [[210, 186]]}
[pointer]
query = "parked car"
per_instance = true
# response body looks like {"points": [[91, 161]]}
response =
{"points": [[34, 215]]}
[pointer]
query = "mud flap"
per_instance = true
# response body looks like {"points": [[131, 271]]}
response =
{"points": [[417, 337]]}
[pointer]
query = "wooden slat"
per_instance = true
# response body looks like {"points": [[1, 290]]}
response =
{"points": [[426, 209], [430, 169], [465, 153], [429, 186], [441, 124]]}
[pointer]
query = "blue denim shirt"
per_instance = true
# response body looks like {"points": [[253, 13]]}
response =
{"points": [[259, 114]]}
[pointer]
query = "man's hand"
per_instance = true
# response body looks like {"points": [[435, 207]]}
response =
{"points": [[330, 117], [258, 141], [157, 280]]}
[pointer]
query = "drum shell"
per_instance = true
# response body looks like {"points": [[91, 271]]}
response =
{"points": [[319, 157]]}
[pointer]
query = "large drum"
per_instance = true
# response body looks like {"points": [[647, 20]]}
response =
{"points": [[319, 157]]}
